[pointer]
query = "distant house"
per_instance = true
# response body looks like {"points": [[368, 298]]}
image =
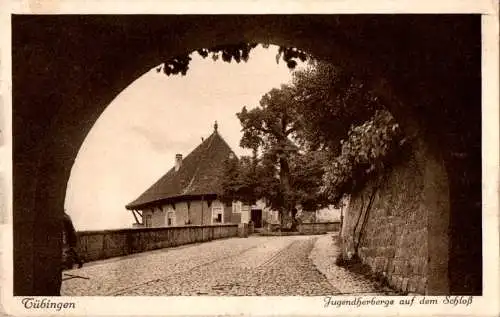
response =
{"points": [[189, 192]]}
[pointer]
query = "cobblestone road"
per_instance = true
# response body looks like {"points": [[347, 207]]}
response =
{"points": [[269, 266], [323, 256]]}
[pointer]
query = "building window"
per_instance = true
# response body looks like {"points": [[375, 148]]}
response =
{"points": [[218, 218], [217, 213], [148, 221], [236, 207], [170, 218]]}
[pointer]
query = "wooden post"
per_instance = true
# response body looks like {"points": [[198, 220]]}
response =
{"points": [[136, 219], [201, 209], [341, 218]]}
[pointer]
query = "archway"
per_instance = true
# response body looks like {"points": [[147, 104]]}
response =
{"points": [[62, 84]]}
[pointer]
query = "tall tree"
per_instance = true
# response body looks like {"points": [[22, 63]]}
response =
{"points": [[250, 179], [330, 100], [341, 116], [240, 181], [271, 126], [286, 175], [299, 130], [307, 171]]}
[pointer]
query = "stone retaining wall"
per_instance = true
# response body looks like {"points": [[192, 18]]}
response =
{"points": [[98, 245], [394, 241]]}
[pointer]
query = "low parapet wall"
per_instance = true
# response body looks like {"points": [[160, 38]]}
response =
{"points": [[318, 227], [309, 227], [98, 245]]}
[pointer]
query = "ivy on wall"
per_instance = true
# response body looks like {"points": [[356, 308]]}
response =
{"points": [[368, 150]]}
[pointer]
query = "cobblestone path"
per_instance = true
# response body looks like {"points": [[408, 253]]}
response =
{"points": [[323, 256], [268, 266]]}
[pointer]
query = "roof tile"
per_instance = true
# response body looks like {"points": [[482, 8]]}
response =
{"points": [[201, 173]]}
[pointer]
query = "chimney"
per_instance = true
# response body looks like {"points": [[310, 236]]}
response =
{"points": [[178, 161]]}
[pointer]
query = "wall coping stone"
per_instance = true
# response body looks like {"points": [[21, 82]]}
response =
{"points": [[150, 229]]}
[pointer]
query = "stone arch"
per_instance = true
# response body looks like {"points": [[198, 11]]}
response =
{"points": [[68, 69]]}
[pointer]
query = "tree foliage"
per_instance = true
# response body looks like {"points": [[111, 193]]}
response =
{"points": [[270, 128], [368, 149], [308, 169], [283, 175], [330, 100], [321, 137], [240, 182], [272, 124], [239, 52], [318, 138], [248, 182], [334, 106]]}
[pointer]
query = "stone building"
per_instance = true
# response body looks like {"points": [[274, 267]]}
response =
{"points": [[188, 194]]}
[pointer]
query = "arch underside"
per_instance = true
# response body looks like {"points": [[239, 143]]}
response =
{"points": [[66, 70]]}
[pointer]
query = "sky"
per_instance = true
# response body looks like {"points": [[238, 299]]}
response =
{"points": [[134, 141]]}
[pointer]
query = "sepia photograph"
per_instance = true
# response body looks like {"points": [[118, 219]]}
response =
{"points": [[329, 156]]}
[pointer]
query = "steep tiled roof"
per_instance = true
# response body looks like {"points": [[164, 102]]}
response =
{"points": [[200, 174]]}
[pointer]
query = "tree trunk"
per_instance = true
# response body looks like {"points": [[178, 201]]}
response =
{"points": [[281, 219], [255, 179], [341, 219], [285, 186], [284, 175], [294, 221]]}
